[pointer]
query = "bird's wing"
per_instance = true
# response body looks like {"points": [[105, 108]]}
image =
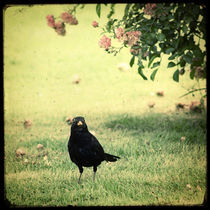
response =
{"points": [[96, 146], [89, 152]]}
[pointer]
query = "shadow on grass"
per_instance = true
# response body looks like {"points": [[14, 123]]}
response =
{"points": [[159, 123]]}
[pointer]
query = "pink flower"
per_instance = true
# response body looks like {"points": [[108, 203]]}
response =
{"points": [[119, 33], [105, 42], [60, 28], [95, 24], [149, 9], [50, 21], [199, 72], [154, 6], [131, 37], [69, 18]]}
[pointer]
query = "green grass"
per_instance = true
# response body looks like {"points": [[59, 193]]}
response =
{"points": [[155, 166]]}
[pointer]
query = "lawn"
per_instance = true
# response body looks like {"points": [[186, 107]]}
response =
{"points": [[162, 150]]}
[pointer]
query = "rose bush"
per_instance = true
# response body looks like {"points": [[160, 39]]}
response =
{"points": [[155, 29], [152, 30]]}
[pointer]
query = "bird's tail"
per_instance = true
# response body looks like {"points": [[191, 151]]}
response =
{"points": [[111, 158]]}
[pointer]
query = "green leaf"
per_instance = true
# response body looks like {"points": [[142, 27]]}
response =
{"points": [[109, 25], [188, 58], [176, 43], [112, 11], [152, 76], [161, 37], [98, 10], [126, 11], [169, 50], [176, 75], [172, 57], [192, 91], [182, 62], [141, 73], [162, 46], [171, 64], [162, 18], [192, 73], [156, 64], [184, 29], [152, 59], [132, 61]]}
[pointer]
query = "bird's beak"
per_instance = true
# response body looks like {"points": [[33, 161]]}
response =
{"points": [[79, 123]]}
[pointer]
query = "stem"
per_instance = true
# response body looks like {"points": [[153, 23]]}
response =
{"points": [[192, 91]]}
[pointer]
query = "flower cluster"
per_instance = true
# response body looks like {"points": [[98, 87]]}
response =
{"points": [[130, 38], [60, 28], [69, 18], [95, 24], [199, 72], [50, 21], [119, 32], [60, 25], [105, 42], [149, 9], [136, 50]]}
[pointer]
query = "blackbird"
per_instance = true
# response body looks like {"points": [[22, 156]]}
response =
{"points": [[84, 149]]}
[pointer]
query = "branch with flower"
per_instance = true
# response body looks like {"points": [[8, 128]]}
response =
{"points": [[154, 29], [151, 30], [59, 26]]}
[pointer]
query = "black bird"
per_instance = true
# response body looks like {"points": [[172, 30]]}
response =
{"points": [[84, 148]]}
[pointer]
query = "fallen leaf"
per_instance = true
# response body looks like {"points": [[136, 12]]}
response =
{"points": [[147, 142], [180, 105], [45, 158], [195, 106], [27, 123], [182, 138], [76, 79], [26, 161], [160, 93], [198, 188], [151, 104], [20, 152], [189, 186], [123, 66], [40, 146]]}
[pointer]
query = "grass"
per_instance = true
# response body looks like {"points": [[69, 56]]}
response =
{"points": [[156, 166]]}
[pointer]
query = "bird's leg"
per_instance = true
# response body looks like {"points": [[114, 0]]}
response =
{"points": [[81, 171], [79, 178], [94, 170]]}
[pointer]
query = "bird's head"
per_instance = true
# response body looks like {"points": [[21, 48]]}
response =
{"points": [[78, 124]]}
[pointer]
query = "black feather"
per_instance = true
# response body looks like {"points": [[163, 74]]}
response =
{"points": [[84, 149], [111, 158]]}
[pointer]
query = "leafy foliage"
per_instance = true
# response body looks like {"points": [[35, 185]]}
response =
{"points": [[152, 30], [175, 29]]}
